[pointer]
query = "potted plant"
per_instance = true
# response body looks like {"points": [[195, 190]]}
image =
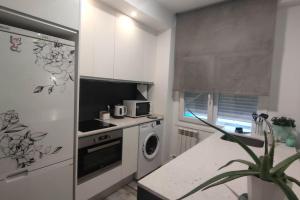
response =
{"points": [[265, 181], [283, 128]]}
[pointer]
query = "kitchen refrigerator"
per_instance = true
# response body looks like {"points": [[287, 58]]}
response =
{"points": [[37, 88]]}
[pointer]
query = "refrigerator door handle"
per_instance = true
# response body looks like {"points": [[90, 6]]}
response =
{"points": [[17, 176]]}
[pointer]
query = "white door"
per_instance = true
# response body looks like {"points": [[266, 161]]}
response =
{"points": [[37, 100], [129, 50], [54, 182]]}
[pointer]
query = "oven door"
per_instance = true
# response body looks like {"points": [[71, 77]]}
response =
{"points": [[142, 109], [96, 159]]}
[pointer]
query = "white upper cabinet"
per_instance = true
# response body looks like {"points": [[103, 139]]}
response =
{"points": [[129, 48], [86, 40], [65, 13], [114, 46], [104, 40], [149, 57], [96, 54]]}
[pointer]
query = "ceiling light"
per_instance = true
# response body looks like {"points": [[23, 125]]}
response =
{"points": [[133, 14]]}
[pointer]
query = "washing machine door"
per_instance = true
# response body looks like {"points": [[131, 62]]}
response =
{"points": [[151, 146]]}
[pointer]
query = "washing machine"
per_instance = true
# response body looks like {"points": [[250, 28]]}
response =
{"points": [[150, 148]]}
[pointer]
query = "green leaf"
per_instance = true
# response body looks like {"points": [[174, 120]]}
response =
{"points": [[265, 168], [286, 189], [225, 180], [266, 143], [272, 150], [220, 177], [293, 180], [250, 164], [283, 165], [245, 147]]}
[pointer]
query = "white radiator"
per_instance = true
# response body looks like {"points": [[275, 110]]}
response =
{"points": [[186, 138]]}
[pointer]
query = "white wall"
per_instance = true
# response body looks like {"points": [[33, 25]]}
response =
{"points": [[285, 90], [160, 93], [285, 86]]}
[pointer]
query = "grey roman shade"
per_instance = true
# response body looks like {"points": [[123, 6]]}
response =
{"points": [[226, 48]]}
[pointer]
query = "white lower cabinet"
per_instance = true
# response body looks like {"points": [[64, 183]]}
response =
{"points": [[130, 151], [49, 183], [98, 184]]}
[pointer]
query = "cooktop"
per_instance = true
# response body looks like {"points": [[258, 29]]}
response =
{"points": [[92, 125]]}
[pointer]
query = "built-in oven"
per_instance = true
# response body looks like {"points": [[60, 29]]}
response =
{"points": [[99, 153]]}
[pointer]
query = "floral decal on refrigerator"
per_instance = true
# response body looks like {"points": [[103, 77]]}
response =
{"points": [[17, 142], [15, 43], [57, 60]]}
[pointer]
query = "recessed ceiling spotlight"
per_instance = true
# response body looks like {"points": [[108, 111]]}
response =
{"points": [[133, 14]]}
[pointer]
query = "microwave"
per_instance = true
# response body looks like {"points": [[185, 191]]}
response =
{"points": [[138, 108]]}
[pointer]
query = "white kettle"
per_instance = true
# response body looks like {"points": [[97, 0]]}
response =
{"points": [[120, 111]]}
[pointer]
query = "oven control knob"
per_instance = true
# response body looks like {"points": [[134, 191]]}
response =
{"points": [[104, 137]]}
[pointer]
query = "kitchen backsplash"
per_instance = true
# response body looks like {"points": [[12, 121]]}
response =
{"points": [[95, 95]]}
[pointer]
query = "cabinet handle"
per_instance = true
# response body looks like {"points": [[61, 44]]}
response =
{"points": [[102, 147], [16, 176]]}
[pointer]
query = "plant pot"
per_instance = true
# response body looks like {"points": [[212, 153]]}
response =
{"points": [[263, 190], [282, 132]]}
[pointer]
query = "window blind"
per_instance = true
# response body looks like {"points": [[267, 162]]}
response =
{"points": [[237, 107], [232, 54], [196, 102]]}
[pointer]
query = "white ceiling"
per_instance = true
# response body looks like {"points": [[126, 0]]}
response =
{"points": [[178, 6]]}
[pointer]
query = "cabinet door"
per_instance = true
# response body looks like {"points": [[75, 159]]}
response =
{"points": [[86, 40], [130, 151], [149, 56], [64, 12], [98, 184], [104, 41], [128, 50], [97, 34]]}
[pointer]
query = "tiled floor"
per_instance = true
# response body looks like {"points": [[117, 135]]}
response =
{"points": [[128, 192]]}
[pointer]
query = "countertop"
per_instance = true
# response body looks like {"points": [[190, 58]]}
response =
{"points": [[200, 163], [120, 123]]}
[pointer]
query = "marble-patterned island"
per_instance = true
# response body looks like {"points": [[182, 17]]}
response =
{"points": [[200, 163]]}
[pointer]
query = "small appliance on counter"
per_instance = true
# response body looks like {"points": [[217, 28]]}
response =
{"points": [[104, 115], [120, 111], [138, 108]]}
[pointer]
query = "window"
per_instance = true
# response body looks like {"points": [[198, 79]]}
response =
{"points": [[197, 103], [236, 111], [228, 111]]}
